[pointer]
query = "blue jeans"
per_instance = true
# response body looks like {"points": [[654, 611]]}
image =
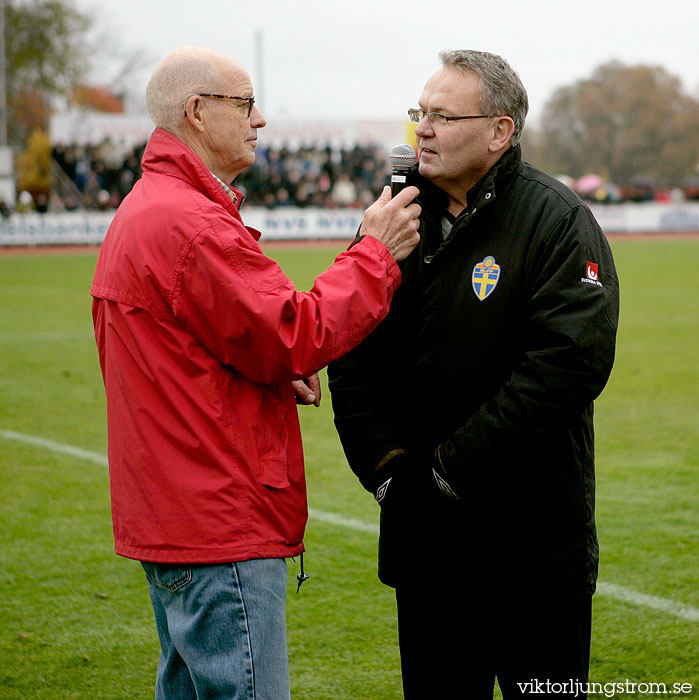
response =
{"points": [[222, 630]]}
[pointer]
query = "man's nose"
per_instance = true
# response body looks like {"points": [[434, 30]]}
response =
{"points": [[256, 118], [424, 128]]}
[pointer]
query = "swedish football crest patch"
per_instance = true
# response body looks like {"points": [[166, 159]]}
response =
{"points": [[485, 277]]}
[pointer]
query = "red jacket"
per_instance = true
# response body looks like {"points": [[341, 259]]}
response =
{"points": [[199, 336]]}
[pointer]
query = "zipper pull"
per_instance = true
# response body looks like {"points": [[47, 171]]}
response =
{"points": [[301, 577]]}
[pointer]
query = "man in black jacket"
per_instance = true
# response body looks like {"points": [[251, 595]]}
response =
{"points": [[468, 412]]}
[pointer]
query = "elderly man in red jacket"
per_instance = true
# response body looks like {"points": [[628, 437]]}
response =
{"points": [[204, 345]]}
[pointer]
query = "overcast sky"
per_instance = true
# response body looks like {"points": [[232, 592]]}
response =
{"points": [[370, 58]]}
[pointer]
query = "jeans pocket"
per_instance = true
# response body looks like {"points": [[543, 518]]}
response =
{"points": [[171, 577]]}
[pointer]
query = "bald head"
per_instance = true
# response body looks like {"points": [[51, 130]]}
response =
{"points": [[186, 70]]}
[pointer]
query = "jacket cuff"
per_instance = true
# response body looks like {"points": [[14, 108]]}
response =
{"points": [[385, 469], [448, 478], [394, 273]]}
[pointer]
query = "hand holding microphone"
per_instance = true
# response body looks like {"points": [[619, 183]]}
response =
{"points": [[403, 158], [394, 218]]}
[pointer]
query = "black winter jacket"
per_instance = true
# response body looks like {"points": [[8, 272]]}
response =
{"points": [[497, 342]]}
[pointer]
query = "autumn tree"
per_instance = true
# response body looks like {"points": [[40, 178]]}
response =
{"points": [[623, 122], [46, 56], [34, 164], [97, 99]]}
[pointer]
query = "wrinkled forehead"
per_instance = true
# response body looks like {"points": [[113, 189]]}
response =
{"points": [[450, 89], [234, 77]]}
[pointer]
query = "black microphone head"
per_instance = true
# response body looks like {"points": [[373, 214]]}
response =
{"points": [[403, 156]]}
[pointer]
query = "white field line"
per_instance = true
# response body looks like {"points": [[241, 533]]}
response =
{"points": [[627, 595], [55, 446], [611, 590], [340, 521]]}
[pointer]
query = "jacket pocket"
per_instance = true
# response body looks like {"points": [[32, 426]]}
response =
{"points": [[272, 450]]}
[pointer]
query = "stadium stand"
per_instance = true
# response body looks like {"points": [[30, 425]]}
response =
{"points": [[98, 177]]}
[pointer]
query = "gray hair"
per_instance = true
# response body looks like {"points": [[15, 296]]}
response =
{"points": [[502, 91], [185, 71]]}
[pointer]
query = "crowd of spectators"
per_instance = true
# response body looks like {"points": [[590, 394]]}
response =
{"points": [[310, 176], [103, 175], [614, 194], [316, 177]]}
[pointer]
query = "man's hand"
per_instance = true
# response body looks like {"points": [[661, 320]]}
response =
{"points": [[405, 481], [307, 390], [395, 221], [402, 483]]}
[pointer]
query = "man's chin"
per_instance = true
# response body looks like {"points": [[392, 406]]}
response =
{"points": [[426, 171]]}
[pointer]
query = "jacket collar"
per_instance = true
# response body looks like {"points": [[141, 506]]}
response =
{"points": [[165, 154], [495, 179], [484, 191]]}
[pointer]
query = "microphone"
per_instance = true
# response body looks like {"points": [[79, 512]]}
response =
{"points": [[403, 158]]}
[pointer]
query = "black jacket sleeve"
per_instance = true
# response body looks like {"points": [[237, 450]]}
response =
{"points": [[363, 386]]}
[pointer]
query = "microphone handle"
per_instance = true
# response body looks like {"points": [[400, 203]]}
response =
{"points": [[399, 180]]}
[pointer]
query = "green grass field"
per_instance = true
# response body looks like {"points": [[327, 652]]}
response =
{"points": [[75, 619]]}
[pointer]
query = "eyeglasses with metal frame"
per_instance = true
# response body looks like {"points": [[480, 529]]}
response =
{"points": [[249, 100], [417, 115]]}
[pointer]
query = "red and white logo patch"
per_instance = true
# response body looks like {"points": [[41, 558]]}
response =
{"points": [[591, 274]]}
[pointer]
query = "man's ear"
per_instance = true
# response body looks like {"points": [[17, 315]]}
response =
{"points": [[192, 109], [503, 128]]}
